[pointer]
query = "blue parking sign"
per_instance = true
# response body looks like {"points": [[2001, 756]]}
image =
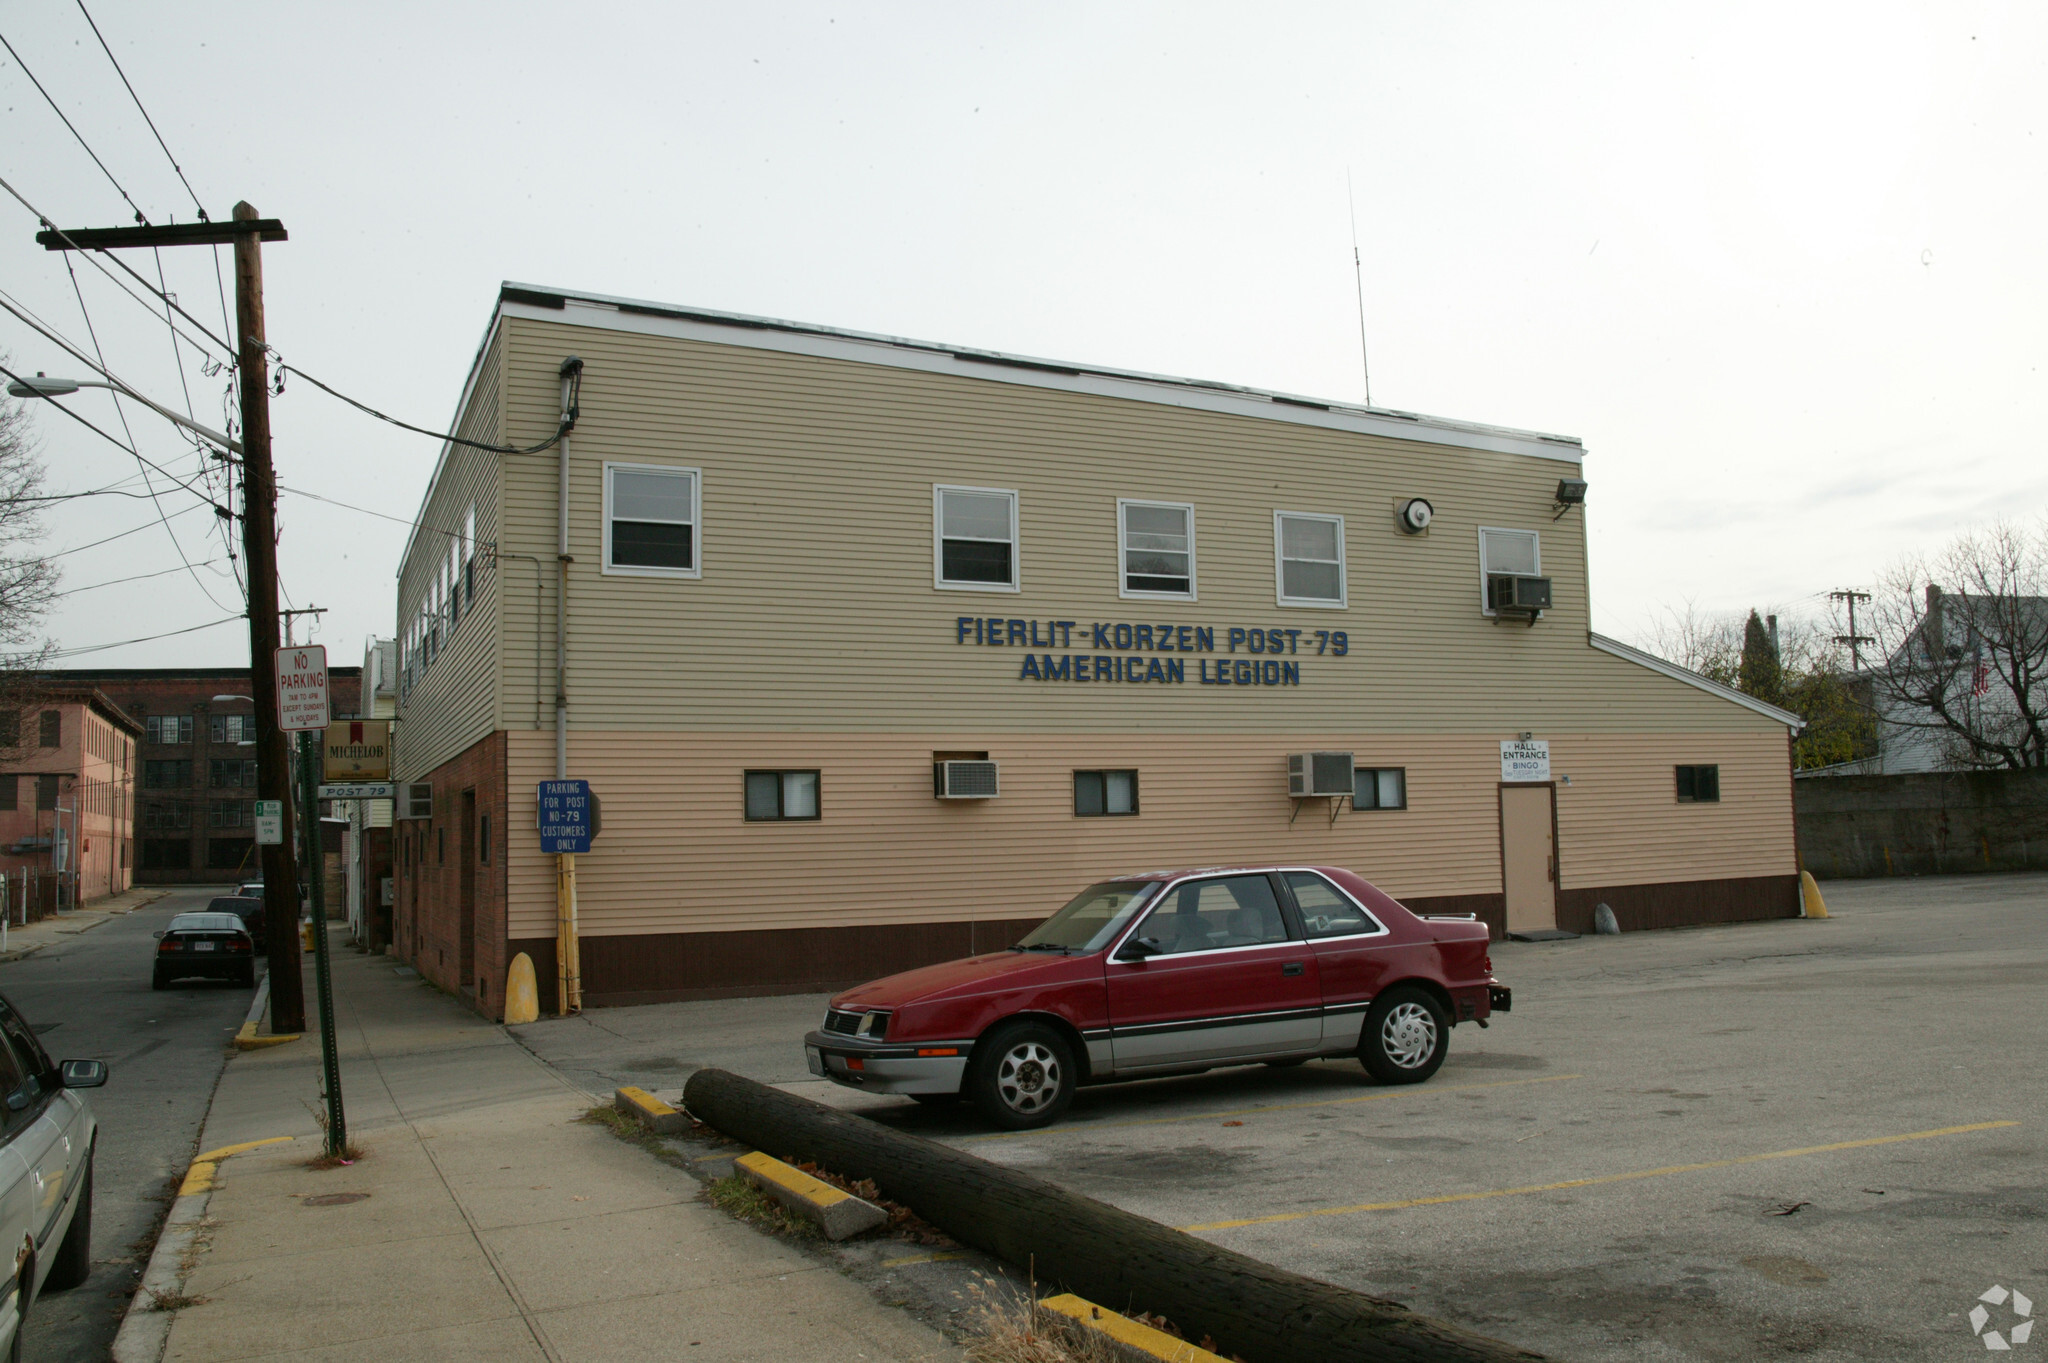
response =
{"points": [[566, 816]]}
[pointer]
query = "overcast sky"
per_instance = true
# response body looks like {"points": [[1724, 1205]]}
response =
{"points": [[1780, 267]]}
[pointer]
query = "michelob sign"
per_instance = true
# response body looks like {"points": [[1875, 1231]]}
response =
{"points": [[357, 750]]}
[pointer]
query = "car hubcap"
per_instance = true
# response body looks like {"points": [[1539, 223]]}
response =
{"points": [[1028, 1079], [1409, 1035]]}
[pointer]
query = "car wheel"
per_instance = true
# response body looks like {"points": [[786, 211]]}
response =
{"points": [[1405, 1038], [156, 979], [247, 979], [73, 1264], [1022, 1076]]}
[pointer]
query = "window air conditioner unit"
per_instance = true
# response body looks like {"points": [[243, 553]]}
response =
{"points": [[415, 800], [965, 781], [1517, 595], [1310, 774]]}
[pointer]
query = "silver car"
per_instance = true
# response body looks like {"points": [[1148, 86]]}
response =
{"points": [[47, 1137]]}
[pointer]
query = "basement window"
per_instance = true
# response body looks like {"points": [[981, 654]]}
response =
{"points": [[1379, 788], [1699, 785]]}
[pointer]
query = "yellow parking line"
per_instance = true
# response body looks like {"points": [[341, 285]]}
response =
{"points": [[1082, 1128], [1604, 1178], [941, 1258]]}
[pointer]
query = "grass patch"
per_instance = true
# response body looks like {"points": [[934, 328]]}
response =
{"points": [[742, 1201], [1017, 1331], [350, 1153], [628, 1129], [160, 1300]]}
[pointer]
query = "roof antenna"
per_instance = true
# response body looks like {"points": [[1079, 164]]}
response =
{"points": [[1358, 278]]}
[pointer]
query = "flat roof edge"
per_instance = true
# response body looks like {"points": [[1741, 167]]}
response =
{"points": [[578, 308]]}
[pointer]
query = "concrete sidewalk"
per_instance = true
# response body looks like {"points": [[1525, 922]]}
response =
{"points": [[495, 1224], [27, 940]]}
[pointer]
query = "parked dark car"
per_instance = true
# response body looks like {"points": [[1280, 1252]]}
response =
{"points": [[245, 907], [212, 946], [1170, 972]]}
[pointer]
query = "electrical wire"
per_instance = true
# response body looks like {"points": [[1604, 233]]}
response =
{"points": [[139, 577], [146, 639], [67, 123], [146, 525], [144, 112], [380, 515], [226, 349], [549, 443], [126, 449]]}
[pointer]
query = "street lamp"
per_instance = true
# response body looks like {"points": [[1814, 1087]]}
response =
{"points": [[43, 386]]}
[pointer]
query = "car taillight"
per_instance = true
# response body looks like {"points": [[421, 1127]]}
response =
{"points": [[168, 944], [239, 944], [1486, 964]]}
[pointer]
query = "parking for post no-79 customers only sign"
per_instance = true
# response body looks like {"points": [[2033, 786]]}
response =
{"points": [[302, 688]]}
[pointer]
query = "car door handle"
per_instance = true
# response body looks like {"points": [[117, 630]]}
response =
{"points": [[1292, 968]]}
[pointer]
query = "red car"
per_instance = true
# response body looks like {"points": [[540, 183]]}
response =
{"points": [[1169, 972]]}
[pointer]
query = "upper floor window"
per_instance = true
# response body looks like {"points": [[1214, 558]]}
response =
{"points": [[166, 773], [53, 728], [1310, 553], [232, 728], [1506, 551], [228, 772], [1156, 543], [651, 520], [976, 533], [168, 729]]}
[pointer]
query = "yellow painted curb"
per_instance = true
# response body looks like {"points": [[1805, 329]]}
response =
{"points": [[247, 1040], [839, 1214], [654, 1114], [199, 1178], [1810, 901], [1142, 1340]]}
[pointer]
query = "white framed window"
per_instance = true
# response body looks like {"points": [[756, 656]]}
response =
{"points": [[1155, 550], [651, 520], [974, 538], [1518, 552], [1308, 555]]}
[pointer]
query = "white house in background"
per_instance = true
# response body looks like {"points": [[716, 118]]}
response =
{"points": [[368, 851]]}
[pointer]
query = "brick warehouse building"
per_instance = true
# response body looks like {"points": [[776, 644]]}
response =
{"points": [[67, 798], [195, 799], [812, 575]]}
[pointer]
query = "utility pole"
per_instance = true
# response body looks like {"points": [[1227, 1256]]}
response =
{"points": [[246, 233], [1854, 640], [289, 615]]}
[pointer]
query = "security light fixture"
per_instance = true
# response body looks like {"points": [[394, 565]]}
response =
{"points": [[1571, 492], [1415, 516]]}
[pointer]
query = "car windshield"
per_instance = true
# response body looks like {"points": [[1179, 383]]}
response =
{"points": [[1091, 918], [205, 922]]}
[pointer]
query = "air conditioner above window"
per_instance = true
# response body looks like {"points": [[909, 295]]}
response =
{"points": [[415, 800], [1513, 594], [1312, 774], [965, 781]]}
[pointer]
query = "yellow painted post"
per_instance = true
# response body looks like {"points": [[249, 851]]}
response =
{"points": [[1809, 896], [568, 959], [522, 992]]}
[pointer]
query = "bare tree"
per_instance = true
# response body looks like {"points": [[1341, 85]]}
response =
{"points": [[28, 581], [1965, 641], [1707, 644]]}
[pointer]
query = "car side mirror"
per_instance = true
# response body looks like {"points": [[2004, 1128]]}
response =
{"points": [[1138, 948], [84, 1074], [159, 936]]}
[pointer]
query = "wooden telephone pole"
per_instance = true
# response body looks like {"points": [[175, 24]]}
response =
{"points": [[246, 233]]}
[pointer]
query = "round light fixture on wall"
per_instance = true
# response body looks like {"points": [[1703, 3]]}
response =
{"points": [[1415, 515]]}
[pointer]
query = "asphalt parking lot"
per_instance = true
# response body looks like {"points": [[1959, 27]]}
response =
{"points": [[1807, 1138]]}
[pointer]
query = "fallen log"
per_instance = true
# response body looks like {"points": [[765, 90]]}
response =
{"points": [[1071, 1241]]}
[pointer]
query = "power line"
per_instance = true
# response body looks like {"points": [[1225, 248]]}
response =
{"points": [[67, 123], [139, 577], [550, 442], [43, 218], [126, 449], [146, 525], [148, 638], [144, 112]]}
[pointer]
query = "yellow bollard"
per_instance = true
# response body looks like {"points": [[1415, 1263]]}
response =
{"points": [[1810, 901], [522, 994]]}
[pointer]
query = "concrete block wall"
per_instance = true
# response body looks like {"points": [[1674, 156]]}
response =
{"points": [[1923, 823]]}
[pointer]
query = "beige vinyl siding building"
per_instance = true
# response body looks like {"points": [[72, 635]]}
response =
{"points": [[1193, 582]]}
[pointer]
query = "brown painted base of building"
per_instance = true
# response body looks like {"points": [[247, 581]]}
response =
{"points": [[1639, 908], [675, 967]]}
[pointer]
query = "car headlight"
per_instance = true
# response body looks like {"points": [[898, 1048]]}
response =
{"points": [[874, 1026]]}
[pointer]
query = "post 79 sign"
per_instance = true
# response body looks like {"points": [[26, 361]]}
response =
{"points": [[567, 816]]}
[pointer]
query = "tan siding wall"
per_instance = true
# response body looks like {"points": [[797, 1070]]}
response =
{"points": [[453, 702], [676, 854], [816, 609]]}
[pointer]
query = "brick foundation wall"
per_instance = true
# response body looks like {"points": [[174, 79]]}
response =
{"points": [[427, 870]]}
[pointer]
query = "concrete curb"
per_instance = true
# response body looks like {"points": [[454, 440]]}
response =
{"points": [[1125, 1339], [246, 1039], [654, 1114], [838, 1214], [144, 1329], [101, 916]]}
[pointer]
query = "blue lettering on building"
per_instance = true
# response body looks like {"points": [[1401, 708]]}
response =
{"points": [[1115, 641]]}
